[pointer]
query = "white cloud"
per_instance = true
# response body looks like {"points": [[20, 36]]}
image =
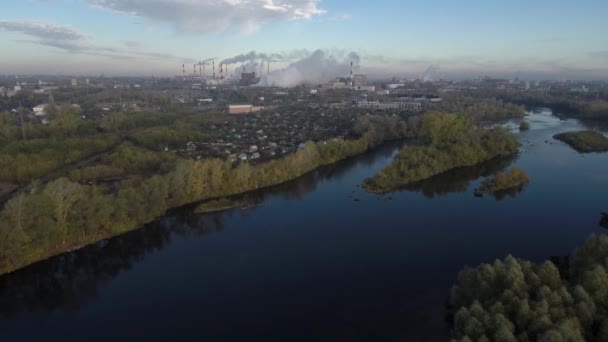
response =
{"points": [[342, 17], [204, 16], [43, 30], [73, 41]]}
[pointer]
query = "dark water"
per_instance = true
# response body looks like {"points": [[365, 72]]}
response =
{"points": [[317, 260]]}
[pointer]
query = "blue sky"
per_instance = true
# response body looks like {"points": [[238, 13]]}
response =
{"points": [[531, 38]]}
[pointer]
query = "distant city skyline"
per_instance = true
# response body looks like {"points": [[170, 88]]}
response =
{"points": [[540, 39]]}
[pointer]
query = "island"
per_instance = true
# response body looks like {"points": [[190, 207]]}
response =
{"points": [[449, 141], [584, 141], [518, 300], [516, 178], [524, 126]]}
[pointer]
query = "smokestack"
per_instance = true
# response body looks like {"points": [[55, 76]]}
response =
{"points": [[195, 69], [352, 80], [213, 69], [184, 70], [221, 71]]}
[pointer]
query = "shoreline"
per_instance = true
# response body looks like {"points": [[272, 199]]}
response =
{"points": [[108, 234]]}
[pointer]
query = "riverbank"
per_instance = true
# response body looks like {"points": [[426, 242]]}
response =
{"points": [[584, 141], [64, 216]]}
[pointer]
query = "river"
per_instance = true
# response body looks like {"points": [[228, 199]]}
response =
{"points": [[316, 259]]}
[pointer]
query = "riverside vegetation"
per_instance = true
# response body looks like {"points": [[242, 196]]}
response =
{"points": [[69, 212], [517, 300], [504, 181], [584, 141], [448, 141]]}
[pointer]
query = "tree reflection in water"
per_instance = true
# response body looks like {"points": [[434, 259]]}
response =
{"points": [[458, 180], [67, 281]]}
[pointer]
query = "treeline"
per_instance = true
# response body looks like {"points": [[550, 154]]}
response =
{"points": [[64, 214], [569, 105], [127, 160], [517, 300], [483, 109], [24, 162], [29, 152], [450, 141]]}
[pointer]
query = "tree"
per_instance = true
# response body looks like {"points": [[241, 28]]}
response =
{"points": [[63, 194], [14, 209]]}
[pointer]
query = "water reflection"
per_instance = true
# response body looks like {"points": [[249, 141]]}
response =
{"points": [[604, 220], [513, 192], [67, 281], [458, 180]]}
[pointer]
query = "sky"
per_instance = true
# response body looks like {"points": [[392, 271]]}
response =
{"points": [[532, 39]]}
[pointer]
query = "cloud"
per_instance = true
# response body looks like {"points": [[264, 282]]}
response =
{"points": [[132, 43], [342, 17], [601, 55], [43, 30], [204, 16], [73, 41]]}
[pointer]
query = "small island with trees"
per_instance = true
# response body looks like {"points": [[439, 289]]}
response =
{"points": [[584, 141], [516, 178], [449, 141]]}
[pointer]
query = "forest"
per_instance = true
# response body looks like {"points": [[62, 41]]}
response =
{"points": [[586, 108], [448, 141], [67, 213], [518, 300], [482, 109]]}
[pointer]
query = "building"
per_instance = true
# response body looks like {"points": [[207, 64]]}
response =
{"points": [[243, 109], [365, 88], [40, 109], [410, 105], [248, 78], [359, 79]]}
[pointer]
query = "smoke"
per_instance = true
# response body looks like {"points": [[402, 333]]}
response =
{"points": [[318, 67], [253, 56], [250, 57], [431, 73], [303, 66]]}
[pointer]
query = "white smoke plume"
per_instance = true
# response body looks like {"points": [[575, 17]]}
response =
{"points": [[311, 68], [319, 67]]}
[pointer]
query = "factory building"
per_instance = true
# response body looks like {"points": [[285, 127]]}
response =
{"points": [[365, 88], [389, 105], [359, 79], [243, 109], [247, 79]]}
